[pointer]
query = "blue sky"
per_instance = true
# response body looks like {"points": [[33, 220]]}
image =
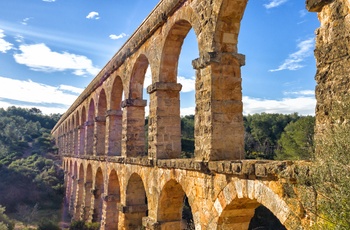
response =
{"points": [[50, 50]]}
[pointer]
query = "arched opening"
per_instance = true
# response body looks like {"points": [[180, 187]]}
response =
{"points": [[90, 127], [171, 207], [278, 76], [114, 119], [134, 110], [76, 135], [82, 132], [165, 94], [71, 136], [100, 141], [248, 214], [136, 203], [80, 192], [74, 189], [98, 191], [187, 78], [88, 187], [69, 181], [113, 198]]}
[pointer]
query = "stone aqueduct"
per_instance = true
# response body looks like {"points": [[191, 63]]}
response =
{"points": [[113, 179]]}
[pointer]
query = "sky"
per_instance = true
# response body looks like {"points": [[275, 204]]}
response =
{"points": [[50, 50]]}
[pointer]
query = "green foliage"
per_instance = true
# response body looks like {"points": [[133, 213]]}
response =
{"points": [[5, 222], [47, 225], [296, 142], [81, 225], [330, 178], [262, 132], [30, 179]]}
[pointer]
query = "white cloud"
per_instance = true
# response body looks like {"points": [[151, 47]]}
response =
{"points": [[188, 84], [116, 37], [39, 57], [274, 3], [294, 61], [49, 99], [187, 111], [4, 45], [71, 89], [25, 21], [302, 13], [49, 0], [302, 105], [302, 93], [93, 15]]}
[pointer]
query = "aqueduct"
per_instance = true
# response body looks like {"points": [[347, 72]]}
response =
{"points": [[116, 176]]}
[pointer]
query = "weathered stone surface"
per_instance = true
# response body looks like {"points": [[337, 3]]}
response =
{"points": [[114, 177]]}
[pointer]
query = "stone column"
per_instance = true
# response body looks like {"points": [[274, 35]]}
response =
{"points": [[79, 200], [89, 137], [219, 131], [76, 141], [71, 143], [114, 132], [81, 140], [100, 136], [164, 120], [73, 193], [87, 199], [332, 61], [133, 133]]}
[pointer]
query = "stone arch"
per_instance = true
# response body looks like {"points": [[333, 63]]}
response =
{"points": [[112, 199], [82, 131], [74, 189], [228, 25], [98, 192], [167, 92], [236, 203], [90, 127], [80, 193], [101, 124], [114, 119], [136, 202], [170, 206], [87, 187], [69, 181], [171, 50], [134, 111], [138, 77], [76, 134]]}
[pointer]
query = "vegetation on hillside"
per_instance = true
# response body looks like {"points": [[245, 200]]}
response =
{"points": [[266, 136], [31, 185]]}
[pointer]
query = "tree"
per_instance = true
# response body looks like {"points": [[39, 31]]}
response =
{"points": [[296, 142], [330, 178], [265, 129]]}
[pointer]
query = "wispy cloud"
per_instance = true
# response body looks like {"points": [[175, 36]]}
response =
{"points": [[4, 45], [39, 57], [25, 21], [93, 15], [304, 105], [26, 93], [301, 93], [116, 37], [294, 61], [302, 13], [274, 3], [49, 0]]}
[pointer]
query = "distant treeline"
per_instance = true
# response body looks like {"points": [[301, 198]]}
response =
{"points": [[266, 136]]}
